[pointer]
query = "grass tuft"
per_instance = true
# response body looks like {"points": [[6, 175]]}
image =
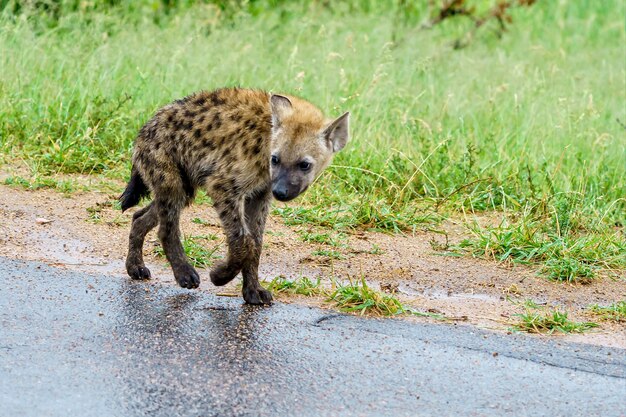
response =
{"points": [[330, 254], [324, 238], [353, 297], [568, 269], [39, 182], [302, 286], [358, 297], [198, 220], [614, 312], [548, 322]]}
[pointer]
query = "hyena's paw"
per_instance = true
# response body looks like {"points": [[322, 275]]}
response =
{"points": [[223, 273], [137, 271], [187, 277], [257, 295]]}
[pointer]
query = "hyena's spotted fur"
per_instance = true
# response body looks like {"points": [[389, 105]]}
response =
{"points": [[241, 146]]}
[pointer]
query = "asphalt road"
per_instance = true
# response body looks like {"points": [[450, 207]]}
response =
{"points": [[73, 344]]}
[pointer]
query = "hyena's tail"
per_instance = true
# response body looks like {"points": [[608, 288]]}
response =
{"points": [[134, 192]]}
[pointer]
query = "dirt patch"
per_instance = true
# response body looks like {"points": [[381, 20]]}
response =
{"points": [[84, 232]]}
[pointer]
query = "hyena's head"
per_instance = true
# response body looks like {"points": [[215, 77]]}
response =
{"points": [[303, 144]]}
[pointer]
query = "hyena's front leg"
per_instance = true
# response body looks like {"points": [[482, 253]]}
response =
{"points": [[257, 208], [169, 234], [243, 221], [144, 220]]}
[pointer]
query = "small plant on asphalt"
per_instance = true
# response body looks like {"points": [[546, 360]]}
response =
{"points": [[613, 312], [549, 322]]}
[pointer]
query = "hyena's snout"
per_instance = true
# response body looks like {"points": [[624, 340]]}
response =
{"points": [[281, 193], [285, 190], [286, 186]]}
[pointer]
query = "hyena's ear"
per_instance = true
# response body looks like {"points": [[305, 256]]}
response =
{"points": [[281, 108], [337, 133]]}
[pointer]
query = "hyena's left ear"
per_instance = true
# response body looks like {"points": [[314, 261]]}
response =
{"points": [[281, 108], [337, 133]]}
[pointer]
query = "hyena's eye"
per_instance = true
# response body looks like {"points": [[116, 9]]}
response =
{"points": [[275, 160], [304, 165]]}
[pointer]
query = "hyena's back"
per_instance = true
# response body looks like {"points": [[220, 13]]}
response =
{"points": [[215, 140]]}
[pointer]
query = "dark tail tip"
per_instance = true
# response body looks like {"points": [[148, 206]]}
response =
{"points": [[134, 192]]}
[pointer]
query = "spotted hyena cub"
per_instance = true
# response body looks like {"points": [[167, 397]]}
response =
{"points": [[241, 146]]}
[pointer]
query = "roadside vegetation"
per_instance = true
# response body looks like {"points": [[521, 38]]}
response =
{"points": [[355, 296], [519, 133], [534, 321], [613, 312], [542, 320], [567, 256], [303, 286], [352, 297]]}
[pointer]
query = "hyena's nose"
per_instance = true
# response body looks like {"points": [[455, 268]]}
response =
{"points": [[280, 193]]}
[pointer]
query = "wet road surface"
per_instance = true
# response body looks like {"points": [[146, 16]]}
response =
{"points": [[73, 344]]}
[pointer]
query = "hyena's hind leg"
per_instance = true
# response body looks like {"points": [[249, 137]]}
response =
{"points": [[169, 233], [257, 208], [144, 220]]}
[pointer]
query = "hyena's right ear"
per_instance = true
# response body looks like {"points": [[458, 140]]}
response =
{"points": [[337, 132], [281, 108]]}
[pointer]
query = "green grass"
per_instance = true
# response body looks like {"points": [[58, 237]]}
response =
{"points": [[549, 322], [302, 286], [526, 125], [352, 297], [568, 269], [195, 248], [358, 297], [565, 257], [324, 238], [613, 312], [202, 198], [331, 254], [39, 182]]}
